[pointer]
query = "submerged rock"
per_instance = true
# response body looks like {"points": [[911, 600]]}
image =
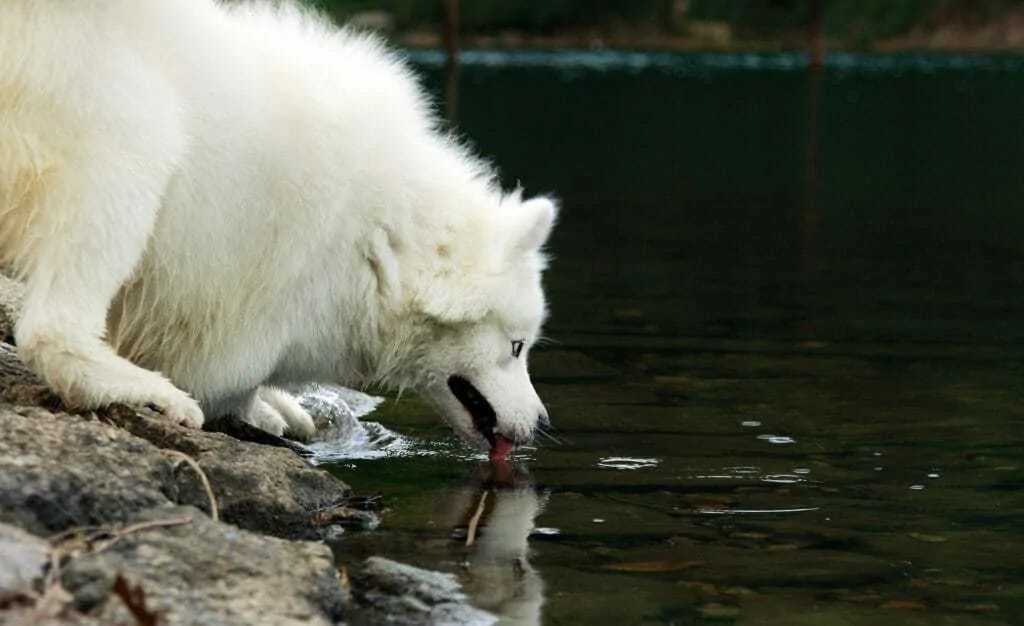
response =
{"points": [[394, 593]]}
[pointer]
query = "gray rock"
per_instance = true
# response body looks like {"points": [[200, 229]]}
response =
{"points": [[189, 569], [204, 572], [393, 593], [18, 386], [11, 293], [23, 557], [49, 464], [87, 482], [61, 471]]}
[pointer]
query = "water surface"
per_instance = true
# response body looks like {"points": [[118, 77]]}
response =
{"points": [[787, 347]]}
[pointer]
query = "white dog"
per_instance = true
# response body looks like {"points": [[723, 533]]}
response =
{"points": [[206, 201]]}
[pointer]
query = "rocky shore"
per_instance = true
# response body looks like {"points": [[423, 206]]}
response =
{"points": [[116, 517]]}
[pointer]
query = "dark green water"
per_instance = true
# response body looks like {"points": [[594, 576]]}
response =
{"points": [[794, 310]]}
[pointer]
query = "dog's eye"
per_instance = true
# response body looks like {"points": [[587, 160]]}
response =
{"points": [[517, 348]]}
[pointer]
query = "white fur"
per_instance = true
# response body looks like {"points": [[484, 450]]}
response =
{"points": [[241, 195]]}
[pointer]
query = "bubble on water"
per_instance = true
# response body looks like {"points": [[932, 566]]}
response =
{"points": [[750, 423], [546, 531], [802, 471], [933, 475], [598, 520], [878, 468], [917, 487], [777, 439], [627, 463]]}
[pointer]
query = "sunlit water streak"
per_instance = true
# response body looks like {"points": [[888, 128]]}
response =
{"points": [[697, 63], [750, 473], [777, 439], [739, 511], [627, 463]]}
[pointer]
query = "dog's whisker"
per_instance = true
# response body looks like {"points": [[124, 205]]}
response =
{"points": [[547, 341], [543, 432]]}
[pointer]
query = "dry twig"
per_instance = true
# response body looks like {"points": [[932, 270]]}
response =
{"points": [[51, 600], [475, 520], [181, 456], [135, 599]]}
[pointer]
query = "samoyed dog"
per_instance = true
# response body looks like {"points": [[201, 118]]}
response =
{"points": [[210, 201]]}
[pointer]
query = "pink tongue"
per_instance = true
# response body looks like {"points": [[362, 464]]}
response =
{"points": [[501, 450]]}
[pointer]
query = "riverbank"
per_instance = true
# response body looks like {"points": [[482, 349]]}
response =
{"points": [[118, 517]]}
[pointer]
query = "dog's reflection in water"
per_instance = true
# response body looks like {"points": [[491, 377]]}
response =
{"points": [[492, 518]]}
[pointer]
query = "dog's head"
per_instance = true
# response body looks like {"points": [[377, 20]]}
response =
{"points": [[476, 297]]}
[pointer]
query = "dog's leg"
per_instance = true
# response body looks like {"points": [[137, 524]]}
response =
{"points": [[89, 224], [263, 416], [298, 422], [60, 333], [277, 412]]}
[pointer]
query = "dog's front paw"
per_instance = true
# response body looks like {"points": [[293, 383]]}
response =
{"points": [[298, 423], [180, 409], [265, 417]]}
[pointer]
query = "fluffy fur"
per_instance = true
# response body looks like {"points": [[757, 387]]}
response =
{"points": [[206, 198]]}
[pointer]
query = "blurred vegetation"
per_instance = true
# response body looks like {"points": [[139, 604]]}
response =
{"points": [[488, 16], [848, 19], [857, 19]]}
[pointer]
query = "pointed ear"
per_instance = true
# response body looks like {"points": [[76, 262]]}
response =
{"points": [[384, 264], [532, 222]]}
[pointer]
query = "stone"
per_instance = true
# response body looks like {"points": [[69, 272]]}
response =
{"points": [[53, 456], [105, 519], [11, 293], [395, 593]]}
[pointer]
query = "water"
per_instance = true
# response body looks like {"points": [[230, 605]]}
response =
{"points": [[788, 347]]}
